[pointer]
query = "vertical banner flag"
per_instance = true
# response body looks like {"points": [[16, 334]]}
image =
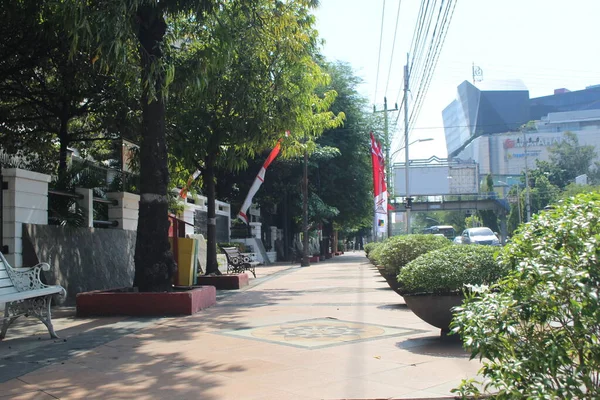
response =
{"points": [[379, 186], [184, 190], [260, 178]]}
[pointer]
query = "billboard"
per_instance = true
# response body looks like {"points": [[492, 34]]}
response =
{"points": [[434, 177]]}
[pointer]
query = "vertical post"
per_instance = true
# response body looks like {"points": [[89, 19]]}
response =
{"points": [[126, 212], [24, 201], [305, 257], [406, 157], [87, 204], [387, 165], [527, 199]]}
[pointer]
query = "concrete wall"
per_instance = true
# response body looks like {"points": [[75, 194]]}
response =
{"points": [[82, 259]]}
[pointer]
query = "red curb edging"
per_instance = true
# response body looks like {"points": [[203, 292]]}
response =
{"points": [[225, 282], [114, 302]]}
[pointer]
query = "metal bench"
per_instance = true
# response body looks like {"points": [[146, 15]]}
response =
{"points": [[24, 294], [238, 262]]}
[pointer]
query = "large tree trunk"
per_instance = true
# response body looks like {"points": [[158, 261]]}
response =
{"points": [[154, 264], [212, 266]]}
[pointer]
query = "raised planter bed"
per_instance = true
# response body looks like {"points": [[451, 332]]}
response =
{"points": [[313, 259], [127, 301], [224, 282], [436, 310]]}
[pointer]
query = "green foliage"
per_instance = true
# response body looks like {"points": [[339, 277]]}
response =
{"points": [[240, 246], [448, 270], [398, 251], [537, 329], [373, 250]]}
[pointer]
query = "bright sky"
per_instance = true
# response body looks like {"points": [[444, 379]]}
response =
{"points": [[548, 44]]}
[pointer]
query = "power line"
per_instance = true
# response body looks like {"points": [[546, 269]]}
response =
{"points": [[441, 37], [379, 56], [393, 47]]}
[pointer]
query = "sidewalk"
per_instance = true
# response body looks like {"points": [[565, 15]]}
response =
{"points": [[333, 330]]}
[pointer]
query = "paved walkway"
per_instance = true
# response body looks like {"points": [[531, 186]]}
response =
{"points": [[330, 331]]}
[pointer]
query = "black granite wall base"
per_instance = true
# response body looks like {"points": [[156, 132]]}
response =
{"points": [[82, 259]]}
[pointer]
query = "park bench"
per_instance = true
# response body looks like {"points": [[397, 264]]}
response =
{"points": [[238, 262], [24, 294]]}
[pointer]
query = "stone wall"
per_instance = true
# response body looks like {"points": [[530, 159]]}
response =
{"points": [[82, 259]]}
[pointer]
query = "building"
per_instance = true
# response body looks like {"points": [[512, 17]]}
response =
{"points": [[492, 107], [482, 124], [505, 155]]}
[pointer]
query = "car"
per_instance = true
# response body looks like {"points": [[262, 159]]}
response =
{"points": [[457, 240], [481, 235]]}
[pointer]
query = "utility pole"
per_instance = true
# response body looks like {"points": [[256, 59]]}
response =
{"points": [[527, 199], [408, 201], [388, 163]]}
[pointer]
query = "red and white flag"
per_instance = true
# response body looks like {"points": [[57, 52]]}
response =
{"points": [[380, 195], [184, 190], [260, 178]]}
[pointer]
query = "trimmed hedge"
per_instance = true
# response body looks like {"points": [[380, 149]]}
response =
{"points": [[374, 251], [447, 270], [398, 251]]}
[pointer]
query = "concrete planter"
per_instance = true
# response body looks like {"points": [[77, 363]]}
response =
{"points": [[224, 282], [436, 310], [126, 301]]}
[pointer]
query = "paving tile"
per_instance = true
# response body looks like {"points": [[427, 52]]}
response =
{"points": [[357, 340], [16, 387]]}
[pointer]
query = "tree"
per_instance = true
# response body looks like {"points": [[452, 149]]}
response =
{"points": [[259, 81], [568, 159], [47, 96], [489, 217], [345, 181], [119, 35]]}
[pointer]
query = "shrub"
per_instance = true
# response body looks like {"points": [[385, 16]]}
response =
{"points": [[400, 250], [448, 270], [538, 328], [369, 247], [375, 252]]}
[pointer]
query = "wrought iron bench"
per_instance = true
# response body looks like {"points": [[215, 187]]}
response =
{"points": [[238, 262], [24, 294]]}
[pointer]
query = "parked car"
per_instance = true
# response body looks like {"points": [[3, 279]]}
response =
{"points": [[481, 235], [458, 240]]}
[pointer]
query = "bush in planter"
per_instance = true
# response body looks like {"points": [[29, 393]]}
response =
{"points": [[538, 328], [369, 247], [448, 270], [398, 251]]}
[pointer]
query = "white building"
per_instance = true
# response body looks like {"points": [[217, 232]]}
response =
{"points": [[505, 154]]}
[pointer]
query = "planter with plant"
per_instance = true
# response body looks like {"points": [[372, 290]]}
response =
{"points": [[398, 251], [537, 329], [435, 282]]}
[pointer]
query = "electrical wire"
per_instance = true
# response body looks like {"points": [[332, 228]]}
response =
{"points": [[379, 55], [393, 47]]}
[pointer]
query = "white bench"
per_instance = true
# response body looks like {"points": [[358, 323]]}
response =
{"points": [[24, 294]]}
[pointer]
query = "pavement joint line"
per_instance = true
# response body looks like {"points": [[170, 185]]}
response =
{"points": [[21, 363], [222, 294]]}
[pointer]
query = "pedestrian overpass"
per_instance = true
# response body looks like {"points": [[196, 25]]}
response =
{"points": [[466, 203]]}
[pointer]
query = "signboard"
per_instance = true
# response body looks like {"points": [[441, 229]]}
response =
{"points": [[434, 177]]}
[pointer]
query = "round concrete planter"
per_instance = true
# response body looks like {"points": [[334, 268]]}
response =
{"points": [[436, 310]]}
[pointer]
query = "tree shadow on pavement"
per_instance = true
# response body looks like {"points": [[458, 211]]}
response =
{"points": [[105, 358]]}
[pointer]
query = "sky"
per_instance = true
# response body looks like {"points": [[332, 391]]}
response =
{"points": [[548, 44]]}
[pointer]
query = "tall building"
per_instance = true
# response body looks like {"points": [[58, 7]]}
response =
{"points": [[482, 124], [491, 107]]}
